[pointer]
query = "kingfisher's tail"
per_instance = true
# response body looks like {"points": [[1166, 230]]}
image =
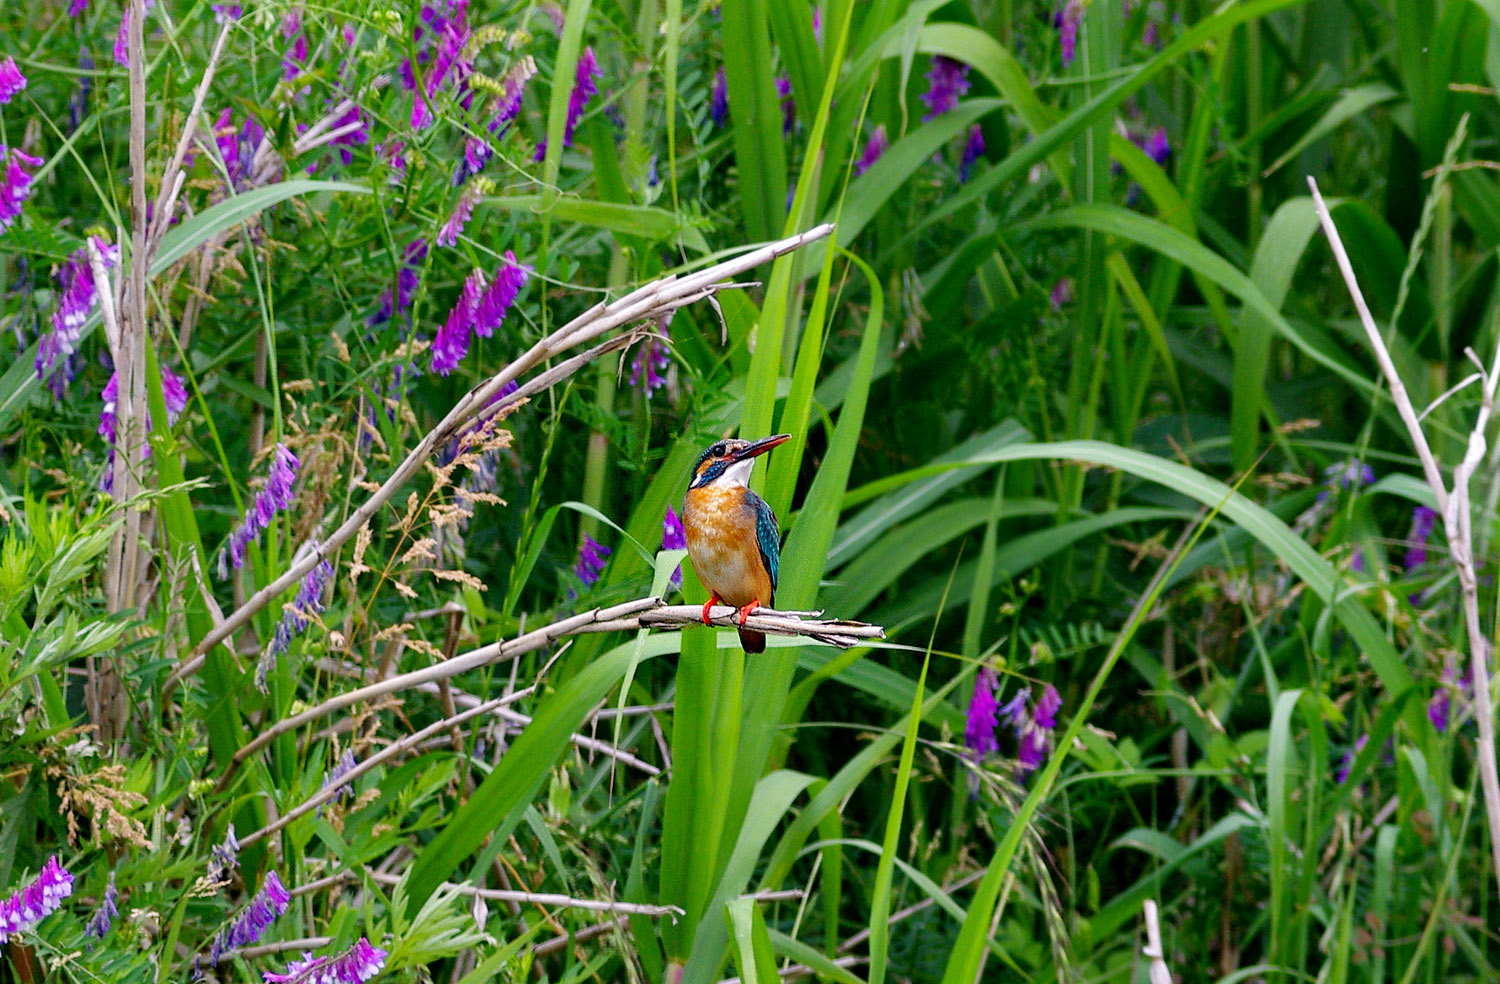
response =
{"points": [[752, 642]]}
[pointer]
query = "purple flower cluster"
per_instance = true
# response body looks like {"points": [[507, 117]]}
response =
{"points": [[223, 12], [591, 561], [878, 144], [1348, 474], [407, 279], [719, 107], [584, 88], [476, 155], [1423, 520], [479, 310], [271, 901], [1033, 728], [651, 360], [979, 731], [448, 24], [294, 617], [1155, 144], [947, 81], [355, 965], [673, 537], [15, 183], [122, 36], [1067, 21], [337, 778], [173, 392], [507, 106], [295, 57], [238, 147], [223, 858], [356, 133], [277, 495], [462, 212], [973, 150], [12, 82], [32, 903], [1062, 293], [1347, 762], [104, 917], [788, 105], [75, 291]]}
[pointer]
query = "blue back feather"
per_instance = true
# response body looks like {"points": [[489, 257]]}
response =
{"points": [[767, 535]]}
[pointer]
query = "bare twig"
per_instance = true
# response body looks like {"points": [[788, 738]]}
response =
{"points": [[629, 616], [646, 303], [1455, 509], [1152, 951], [549, 898]]}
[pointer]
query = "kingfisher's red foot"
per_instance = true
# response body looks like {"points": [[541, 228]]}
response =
{"points": [[745, 612], [713, 599]]}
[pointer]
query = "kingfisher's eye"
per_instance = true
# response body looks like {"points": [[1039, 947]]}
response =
{"points": [[719, 450]]}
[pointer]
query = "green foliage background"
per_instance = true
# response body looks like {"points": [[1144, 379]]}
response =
{"points": [[1081, 414]]}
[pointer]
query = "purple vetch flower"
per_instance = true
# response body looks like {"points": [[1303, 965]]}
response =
{"points": [[12, 82], [591, 562], [408, 277], [295, 59], [1423, 520], [337, 778], [15, 185], [1156, 146], [122, 37], [947, 81], [1348, 474], [1440, 706], [508, 105], [174, 394], [451, 343], [463, 210], [584, 88], [78, 102], [673, 537], [788, 105], [355, 965], [76, 8], [502, 293], [878, 144], [226, 12], [651, 360], [1067, 21], [477, 154], [295, 617], [1347, 762], [973, 150], [223, 858], [818, 24], [1047, 707], [75, 292], [357, 133], [449, 25], [104, 917], [983, 718], [719, 107], [276, 496], [271, 901], [1062, 293], [1033, 728], [35, 901]]}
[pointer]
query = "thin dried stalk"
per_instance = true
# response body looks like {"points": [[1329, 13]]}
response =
{"points": [[630, 615], [1152, 951], [646, 303], [1456, 511], [547, 898]]}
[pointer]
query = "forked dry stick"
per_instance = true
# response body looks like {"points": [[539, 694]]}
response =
{"points": [[629, 616], [644, 304], [1454, 506]]}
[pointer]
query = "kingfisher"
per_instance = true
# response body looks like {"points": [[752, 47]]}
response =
{"points": [[732, 535]]}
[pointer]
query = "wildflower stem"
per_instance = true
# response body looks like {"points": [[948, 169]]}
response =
{"points": [[1455, 509]]}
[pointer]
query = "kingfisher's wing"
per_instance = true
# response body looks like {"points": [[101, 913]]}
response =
{"points": [[768, 537]]}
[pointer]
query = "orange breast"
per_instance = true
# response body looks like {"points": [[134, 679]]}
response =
{"points": [[720, 529]]}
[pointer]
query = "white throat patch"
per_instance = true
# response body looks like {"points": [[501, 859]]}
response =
{"points": [[737, 473]]}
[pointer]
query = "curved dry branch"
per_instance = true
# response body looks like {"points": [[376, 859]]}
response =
{"points": [[646, 303], [642, 613]]}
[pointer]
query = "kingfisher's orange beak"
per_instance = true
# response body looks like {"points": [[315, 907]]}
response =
{"points": [[761, 446]]}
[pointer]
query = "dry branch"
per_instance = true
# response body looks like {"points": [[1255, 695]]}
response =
{"points": [[1454, 505], [646, 303], [631, 615]]}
